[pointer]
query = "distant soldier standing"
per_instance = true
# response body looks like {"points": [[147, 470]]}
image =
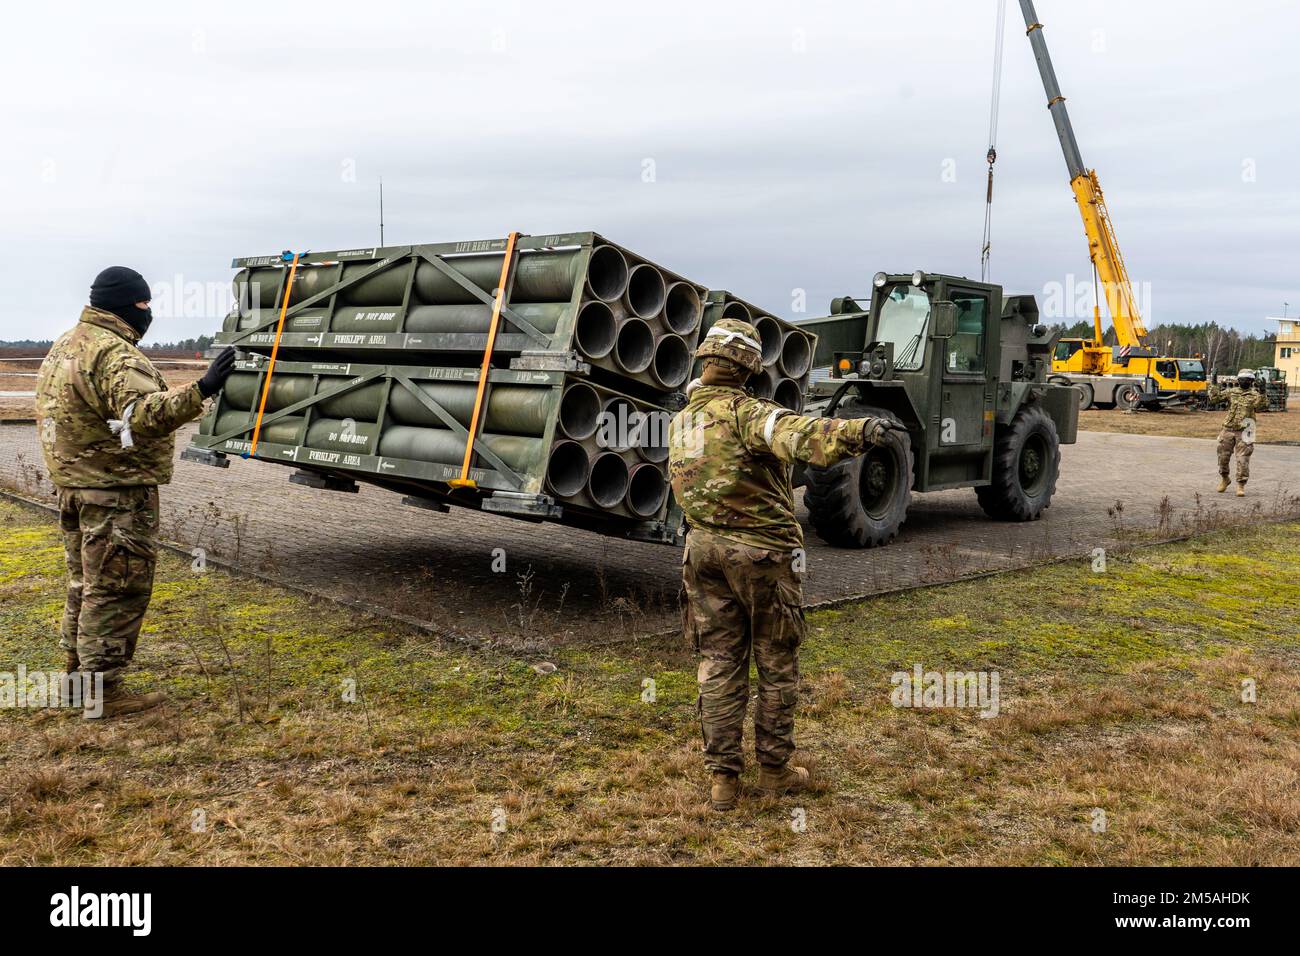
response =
{"points": [[105, 419], [1238, 433], [729, 458]]}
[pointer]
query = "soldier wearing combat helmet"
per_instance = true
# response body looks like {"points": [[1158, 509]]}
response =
{"points": [[1237, 437], [105, 418], [729, 459]]}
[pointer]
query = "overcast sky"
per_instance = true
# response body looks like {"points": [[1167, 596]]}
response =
{"points": [[789, 146]]}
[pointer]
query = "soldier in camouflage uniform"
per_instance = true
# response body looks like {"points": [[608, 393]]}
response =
{"points": [[1238, 433], [729, 459], [105, 419]]}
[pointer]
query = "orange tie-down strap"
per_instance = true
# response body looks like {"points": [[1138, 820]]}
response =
{"points": [[465, 481], [275, 348]]}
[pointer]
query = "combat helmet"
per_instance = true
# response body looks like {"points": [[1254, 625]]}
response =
{"points": [[734, 340]]}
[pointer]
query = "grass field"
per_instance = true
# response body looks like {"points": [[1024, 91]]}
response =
{"points": [[1184, 423], [1120, 701], [19, 375]]}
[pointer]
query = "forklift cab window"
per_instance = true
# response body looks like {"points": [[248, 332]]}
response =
{"points": [[904, 320], [966, 347]]}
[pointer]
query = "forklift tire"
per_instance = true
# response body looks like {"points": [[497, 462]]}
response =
{"points": [[1127, 396], [1026, 462], [861, 502]]}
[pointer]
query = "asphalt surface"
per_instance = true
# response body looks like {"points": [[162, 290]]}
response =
{"points": [[561, 584]]}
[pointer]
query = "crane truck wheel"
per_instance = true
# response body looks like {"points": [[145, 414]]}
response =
{"points": [[1026, 461], [1126, 396], [861, 502]]}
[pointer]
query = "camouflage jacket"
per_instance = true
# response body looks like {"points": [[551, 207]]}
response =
{"points": [[729, 457], [1243, 403], [94, 374]]}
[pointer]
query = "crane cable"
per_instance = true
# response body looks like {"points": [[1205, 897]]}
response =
{"points": [[992, 155]]}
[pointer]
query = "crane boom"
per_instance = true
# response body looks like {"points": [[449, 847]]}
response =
{"points": [[1102, 245]]}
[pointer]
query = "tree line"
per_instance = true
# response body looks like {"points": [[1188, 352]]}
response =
{"points": [[199, 344]]}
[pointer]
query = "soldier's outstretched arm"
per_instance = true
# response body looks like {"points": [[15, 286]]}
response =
{"points": [[152, 412], [798, 438]]}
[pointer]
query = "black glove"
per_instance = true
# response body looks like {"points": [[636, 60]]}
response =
{"points": [[876, 430], [217, 372]]}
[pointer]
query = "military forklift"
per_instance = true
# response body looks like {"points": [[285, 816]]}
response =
{"points": [[962, 373]]}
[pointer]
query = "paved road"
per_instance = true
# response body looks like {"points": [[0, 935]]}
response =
{"points": [[564, 584]]}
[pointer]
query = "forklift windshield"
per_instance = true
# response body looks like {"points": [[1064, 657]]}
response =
{"points": [[904, 317]]}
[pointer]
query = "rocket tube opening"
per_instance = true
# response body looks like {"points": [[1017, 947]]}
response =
{"points": [[619, 425], [635, 348], [788, 394], [795, 355], [682, 308], [646, 490], [579, 411], [567, 469], [736, 310], [609, 479], [596, 330], [763, 385], [606, 273], [770, 334], [645, 291], [652, 438], [672, 361]]}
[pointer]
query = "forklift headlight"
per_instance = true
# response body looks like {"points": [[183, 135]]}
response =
{"points": [[918, 278], [879, 280]]}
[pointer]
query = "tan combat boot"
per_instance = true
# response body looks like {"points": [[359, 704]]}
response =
{"points": [[782, 779], [1241, 489], [1223, 484], [116, 702], [725, 788]]}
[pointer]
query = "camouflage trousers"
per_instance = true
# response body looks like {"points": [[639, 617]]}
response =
{"points": [[110, 542], [743, 601], [1230, 443]]}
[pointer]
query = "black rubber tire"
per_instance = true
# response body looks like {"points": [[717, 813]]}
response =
{"points": [[1126, 396], [834, 496], [1026, 464]]}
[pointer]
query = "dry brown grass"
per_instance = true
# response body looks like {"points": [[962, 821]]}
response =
{"points": [[1183, 423]]}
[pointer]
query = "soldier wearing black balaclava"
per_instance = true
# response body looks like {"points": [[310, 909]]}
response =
{"points": [[105, 418]]}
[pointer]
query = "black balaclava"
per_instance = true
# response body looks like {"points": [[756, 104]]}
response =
{"points": [[117, 290]]}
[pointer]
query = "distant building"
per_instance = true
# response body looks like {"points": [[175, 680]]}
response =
{"points": [[1287, 354]]}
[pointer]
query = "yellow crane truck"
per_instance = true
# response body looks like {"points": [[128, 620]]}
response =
{"points": [[1128, 374]]}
